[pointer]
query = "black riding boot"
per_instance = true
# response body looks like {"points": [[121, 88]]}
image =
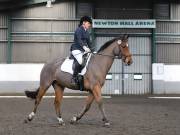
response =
{"points": [[76, 72], [81, 82], [77, 77]]}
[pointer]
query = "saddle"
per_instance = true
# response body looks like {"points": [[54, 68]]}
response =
{"points": [[75, 63], [69, 64]]}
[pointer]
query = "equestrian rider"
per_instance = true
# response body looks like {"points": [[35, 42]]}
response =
{"points": [[81, 43]]}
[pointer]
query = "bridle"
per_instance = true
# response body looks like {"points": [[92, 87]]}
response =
{"points": [[124, 56], [119, 43]]}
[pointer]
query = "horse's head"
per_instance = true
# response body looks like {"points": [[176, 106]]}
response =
{"points": [[122, 50]]}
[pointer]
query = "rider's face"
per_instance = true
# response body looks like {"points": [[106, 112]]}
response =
{"points": [[86, 25]]}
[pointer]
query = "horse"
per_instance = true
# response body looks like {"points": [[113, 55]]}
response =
{"points": [[94, 78]]}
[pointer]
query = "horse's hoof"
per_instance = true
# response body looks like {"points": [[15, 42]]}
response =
{"points": [[29, 119], [61, 122], [107, 124], [73, 120], [31, 116]]}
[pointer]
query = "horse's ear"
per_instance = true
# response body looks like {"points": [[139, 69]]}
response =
{"points": [[125, 36]]}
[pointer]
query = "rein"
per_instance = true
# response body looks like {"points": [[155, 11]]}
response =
{"points": [[112, 56]]}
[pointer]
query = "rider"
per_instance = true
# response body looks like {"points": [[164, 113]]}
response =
{"points": [[81, 44]]}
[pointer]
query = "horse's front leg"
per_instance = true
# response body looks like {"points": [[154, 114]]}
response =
{"points": [[98, 99], [89, 101]]}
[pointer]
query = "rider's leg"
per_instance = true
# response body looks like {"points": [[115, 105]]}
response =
{"points": [[78, 56], [78, 67], [76, 70]]}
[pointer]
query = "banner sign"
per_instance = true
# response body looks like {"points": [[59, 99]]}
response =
{"points": [[141, 23]]}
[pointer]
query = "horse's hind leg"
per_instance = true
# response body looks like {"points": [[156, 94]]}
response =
{"points": [[39, 96], [57, 102], [89, 101]]}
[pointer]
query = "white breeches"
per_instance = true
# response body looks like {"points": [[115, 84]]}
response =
{"points": [[78, 55]]}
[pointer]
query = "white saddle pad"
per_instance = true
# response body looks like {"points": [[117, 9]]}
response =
{"points": [[68, 63]]}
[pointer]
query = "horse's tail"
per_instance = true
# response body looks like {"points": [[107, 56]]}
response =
{"points": [[32, 94]]}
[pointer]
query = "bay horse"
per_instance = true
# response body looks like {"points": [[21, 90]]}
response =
{"points": [[98, 67]]}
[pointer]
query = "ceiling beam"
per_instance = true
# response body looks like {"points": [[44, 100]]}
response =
{"points": [[31, 2], [10, 4]]}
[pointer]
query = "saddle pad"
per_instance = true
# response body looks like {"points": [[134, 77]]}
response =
{"points": [[68, 63], [67, 66]]}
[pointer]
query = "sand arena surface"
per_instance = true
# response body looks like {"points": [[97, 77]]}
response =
{"points": [[128, 115]]}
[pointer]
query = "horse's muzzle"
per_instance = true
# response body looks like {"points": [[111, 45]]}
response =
{"points": [[128, 61]]}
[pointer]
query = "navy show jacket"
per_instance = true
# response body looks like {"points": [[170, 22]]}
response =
{"points": [[81, 38]]}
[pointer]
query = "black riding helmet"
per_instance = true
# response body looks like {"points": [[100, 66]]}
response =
{"points": [[85, 18]]}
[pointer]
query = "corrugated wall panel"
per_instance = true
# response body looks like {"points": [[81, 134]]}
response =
{"points": [[3, 19], [43, 26], [137, 87], [106, 13], [3, 33], [59, 50], [67, 26], [141, 50], [175, 10], [168, 53], [161, 11], [3, 50], [140, 45], [32, 32], [168, 27], [167, 38], [125, 4], [43, 38], [3, 37], [38, 52], [141, 64], [60, 10], [113, 86], [116, 66], [31, 26], [123, 10]]}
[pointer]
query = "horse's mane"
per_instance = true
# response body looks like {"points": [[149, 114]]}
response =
{"points": [[108, 43]]}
